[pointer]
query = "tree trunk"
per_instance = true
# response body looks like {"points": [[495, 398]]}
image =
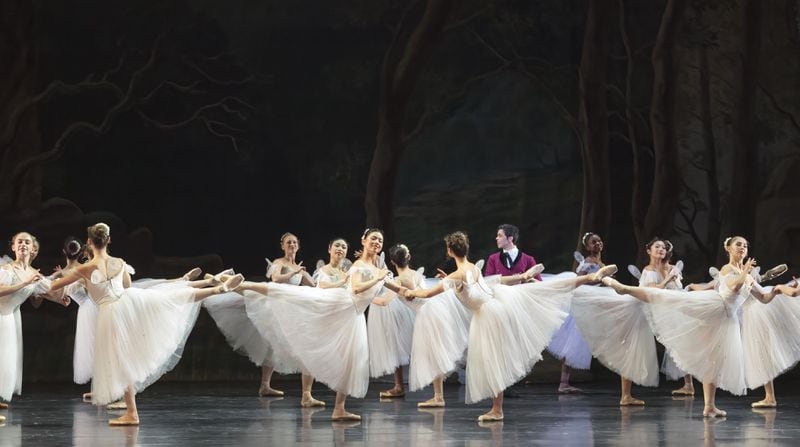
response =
{"points": [[742, 203], [401, 68], [593, 120], [660, 216], [638, 197], [712, 183], [19, 137]]}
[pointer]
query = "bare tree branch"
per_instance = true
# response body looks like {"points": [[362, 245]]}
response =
{"points": [[464, 20], [208, 77], [783, 111]]}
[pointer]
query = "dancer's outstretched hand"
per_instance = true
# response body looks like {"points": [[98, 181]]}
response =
{"points": [[36, 277], [440, 274], [748, 266]]}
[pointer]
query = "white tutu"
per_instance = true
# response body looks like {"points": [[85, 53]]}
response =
{"points": [[11, 333], [441, 336], [324, 330], [230, 313], [510, 327], [86, 322], [140, 334], [670, 369], [83, 353], [389, 333], [701, 332], [617, 331], [568, 343], [770, 338], [648, 277]]}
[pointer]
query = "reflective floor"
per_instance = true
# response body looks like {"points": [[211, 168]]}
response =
{"points": [[224, 414]]}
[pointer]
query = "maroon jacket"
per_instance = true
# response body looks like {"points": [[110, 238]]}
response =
{"points": [[496, 267]]}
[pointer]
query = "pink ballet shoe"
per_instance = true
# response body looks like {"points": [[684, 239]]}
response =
{"points": [[344, 417], [605, 271], [232, 283], [531, 273], [774, 272], [218, 278], [192, 274], [490, 417]]}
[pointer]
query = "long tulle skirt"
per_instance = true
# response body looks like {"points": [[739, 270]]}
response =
{"points": [[702, 335], [10, 354], [508, 334], [321, 329], [770, 338], [138, 338], [390, 330], [617, 331], [441, 335]]}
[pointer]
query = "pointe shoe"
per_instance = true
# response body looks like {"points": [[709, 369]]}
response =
{"points": [[605, 271], [683, 391], [219, 277], [311, 402], [2, 419], [87, 397], [764, 404], [232, 283], [490, 417], [714, 412], [119, 405], [531, 273], [345, 417], [123, 421], [266, 391], [192, 274], [431, 403], [568, 389], [392, 394], [631, 402], [3, 406], [774, 272]]}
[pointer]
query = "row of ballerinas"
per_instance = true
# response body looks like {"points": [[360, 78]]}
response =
{"points": [[501, 325]]}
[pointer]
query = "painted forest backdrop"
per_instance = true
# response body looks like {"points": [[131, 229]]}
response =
{"points": [[201, 131]]}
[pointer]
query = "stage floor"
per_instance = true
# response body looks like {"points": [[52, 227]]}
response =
{"points": [[224, 414]]}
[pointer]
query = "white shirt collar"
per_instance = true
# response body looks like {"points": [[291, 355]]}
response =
{"points": [[512, 253]]}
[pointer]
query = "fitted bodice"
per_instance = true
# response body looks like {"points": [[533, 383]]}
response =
{"points": [[417, 282], [587, 267], [294, 280], [473, 291], [104, 290], [734, 299], [362, 300], [650, 277], [321, 276], [11, 303]]}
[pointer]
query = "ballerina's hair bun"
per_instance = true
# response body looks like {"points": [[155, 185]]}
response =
{"points": [[369, 231], [72, 248], [458, 243], [99, 234], [288, 234], [399, 255], [729, 240]]}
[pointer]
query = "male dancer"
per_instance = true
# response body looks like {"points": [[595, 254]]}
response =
{"points": [[509, 260]]}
